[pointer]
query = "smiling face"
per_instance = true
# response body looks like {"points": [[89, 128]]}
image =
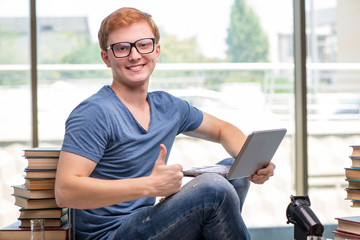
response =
{"points": [[134, 70]]}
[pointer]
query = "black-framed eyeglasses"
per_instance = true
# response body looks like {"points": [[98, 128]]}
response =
{"points": [[123, 49]]}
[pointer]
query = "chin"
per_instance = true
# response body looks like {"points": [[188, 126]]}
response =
{"points": [[139, 82]]}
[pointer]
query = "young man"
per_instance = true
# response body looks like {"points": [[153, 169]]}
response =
{"points": [[117, 142]]}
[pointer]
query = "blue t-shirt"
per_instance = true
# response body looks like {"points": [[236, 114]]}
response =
{"points": [[102, 129]]}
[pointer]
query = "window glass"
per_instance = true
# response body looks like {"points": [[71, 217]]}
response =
{"points": [[15, 101], [232, 59], [243, 75], [333, 102]]}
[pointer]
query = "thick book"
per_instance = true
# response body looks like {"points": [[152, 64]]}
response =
{"points": [[352, 183], [352, 194], [40, 173], [42, 213], [39, 183], [15, 232], [349, 224], [49, 222], [355, 150], [352, 173], [355, 203], [35, 203], [339, 235], [42, 151], [23, 191], [42, 162], [355, 161]]}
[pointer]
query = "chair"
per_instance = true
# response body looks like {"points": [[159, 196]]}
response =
{"points": [[71, 213]]}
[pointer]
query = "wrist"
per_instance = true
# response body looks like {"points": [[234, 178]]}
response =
{"points": [[149, 187]]}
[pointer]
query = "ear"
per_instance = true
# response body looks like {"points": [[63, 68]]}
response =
{"points": [[105, 58], [157, 51]]}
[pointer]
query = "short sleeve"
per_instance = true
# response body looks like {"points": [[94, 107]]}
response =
{"points": [[191, 117], [86, 132]]}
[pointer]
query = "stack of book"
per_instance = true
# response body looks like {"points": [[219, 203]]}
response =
{"points": [[349, 227], [352, 175], [36, 197]]}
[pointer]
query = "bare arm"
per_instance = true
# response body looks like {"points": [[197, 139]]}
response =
{"points": [[219, 131], [76, 189], [232, 139]]}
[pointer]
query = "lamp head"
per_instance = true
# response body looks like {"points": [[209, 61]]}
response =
{"points": [[300, 214]]}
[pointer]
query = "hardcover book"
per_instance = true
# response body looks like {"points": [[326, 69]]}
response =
{"points": [[40, 173], [349, 224], [35, 203], [352, 194], [355, 150], [352, 173], [352, 183], [15, 232], [339, 235], [42, 213], [41, 183], [23, 191], [42, 151], [355, 203], [42, 162], [49, 222], [355, 160]]}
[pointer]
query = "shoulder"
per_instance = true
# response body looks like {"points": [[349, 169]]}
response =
{"points": [[94, 107], [174, 106], [165, 98], [98, 101], [160, 95], [104, 95]]}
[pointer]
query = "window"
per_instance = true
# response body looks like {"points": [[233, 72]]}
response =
{"points": [[15, 101], [200, 62], [333, 102]]}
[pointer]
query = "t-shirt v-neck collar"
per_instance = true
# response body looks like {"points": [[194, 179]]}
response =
{"points": [[133, 117]]}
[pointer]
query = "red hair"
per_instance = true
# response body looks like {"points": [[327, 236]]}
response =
{"points": [[124, 17]]}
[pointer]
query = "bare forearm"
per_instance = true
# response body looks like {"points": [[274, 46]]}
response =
{"points": [[87, 192], [219, 131], [75, 188], [232, 139]]}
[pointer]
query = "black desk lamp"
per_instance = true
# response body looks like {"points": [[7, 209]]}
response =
{"points": [[304, 219]]}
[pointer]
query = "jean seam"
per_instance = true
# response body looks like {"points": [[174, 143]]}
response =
{"points": [[172, 225]]}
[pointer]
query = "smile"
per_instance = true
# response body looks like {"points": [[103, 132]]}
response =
{"points": [[135, 68]]}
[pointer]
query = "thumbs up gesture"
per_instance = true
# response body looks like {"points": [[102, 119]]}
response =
{"points": [[166, 179]]}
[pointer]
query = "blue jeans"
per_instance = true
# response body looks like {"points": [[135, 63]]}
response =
{"points": [[209, 206]]}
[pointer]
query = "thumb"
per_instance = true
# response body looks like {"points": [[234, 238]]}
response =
{"points": [[161, 158]]}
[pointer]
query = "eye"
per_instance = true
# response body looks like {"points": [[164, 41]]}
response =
{"points": [[144, 44], [121, 47]]}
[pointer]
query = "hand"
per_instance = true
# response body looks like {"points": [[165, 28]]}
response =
{"points": [[166, 179], [263, 174]]}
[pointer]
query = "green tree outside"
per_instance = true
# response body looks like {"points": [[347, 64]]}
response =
{"points": [[246, 40], [174, 50]]}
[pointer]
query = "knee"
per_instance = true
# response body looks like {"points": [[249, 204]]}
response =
{"points": [[227, 161], [216, 188], [241, 185]]}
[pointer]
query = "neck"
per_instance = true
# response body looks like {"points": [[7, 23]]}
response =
{"points": [[136, 96], [135, 99]]}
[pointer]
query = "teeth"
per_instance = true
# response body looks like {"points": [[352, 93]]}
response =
{"points": [[135, 67]]}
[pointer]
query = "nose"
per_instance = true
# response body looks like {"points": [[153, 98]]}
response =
{"points": [[134, 54]]}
